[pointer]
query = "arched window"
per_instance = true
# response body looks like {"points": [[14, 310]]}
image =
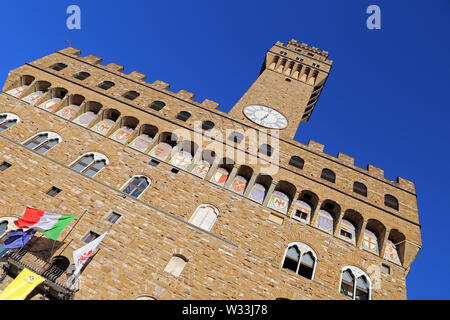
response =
{"points": [[183, 115], [105, 85], [297, 162], [395, 247], [58, 66], [301, 259], [89, 113], [55, 97], [39, 88], [23, 84], [109, 118], [391, 201], [348, 231], [328, 175], [325, 221], [42, 142], [73, 107], [302, 211], [136, 185], [82, 75], [176, 265], [236, 137], [7, 120], [360, 188], [207, 125], [266, 149], [355, 284], [131, 95], [57, 268], [90, 164], [125, 130], [146, 135], [204, 217], [157, 105]]}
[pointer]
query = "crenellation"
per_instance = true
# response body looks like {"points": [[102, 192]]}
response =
{"points": [[184, 94], [92, 59], [137, 75], [346, 159], [114, 67], [71, 51], [315, 146], [161, 84], [209, 104], [406, 184], [375, 171]]}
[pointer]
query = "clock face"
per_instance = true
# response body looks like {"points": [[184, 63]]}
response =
{"points": [[266, 117]]}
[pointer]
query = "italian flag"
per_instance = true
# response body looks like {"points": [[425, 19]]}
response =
{"points": [[50, 224]]}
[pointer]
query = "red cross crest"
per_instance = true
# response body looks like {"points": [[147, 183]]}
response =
{"points": [[180, 160], [35, 97], [369, 244]]}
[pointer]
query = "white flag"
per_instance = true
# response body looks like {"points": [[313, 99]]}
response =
{"points": [[81, 255]]}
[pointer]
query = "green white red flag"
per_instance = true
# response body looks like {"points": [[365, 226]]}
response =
{"points": [[50, 224]]}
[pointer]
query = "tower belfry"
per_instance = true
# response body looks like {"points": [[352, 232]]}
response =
{"points": [[287, 89]]}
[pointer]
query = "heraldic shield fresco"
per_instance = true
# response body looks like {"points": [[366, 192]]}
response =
{"points": [[69, 112], [34, 97], [279, 201], [370, 241], [181, 159], [161, 151], [220, 177], [122, 134], [50, 105], [325, 221], [258, 193], [103, 126], [17, 92], [201, 169], [238, 185], [141, 143], [391, 252], [85, 119]]}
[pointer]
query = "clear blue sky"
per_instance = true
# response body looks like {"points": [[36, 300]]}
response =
{"points": [[386, 101]]}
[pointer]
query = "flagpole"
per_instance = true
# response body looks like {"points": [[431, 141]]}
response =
{"points": [[74, 225], [54, 241]]}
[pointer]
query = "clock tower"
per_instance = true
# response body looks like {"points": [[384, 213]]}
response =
{"points": [[286, 90]]}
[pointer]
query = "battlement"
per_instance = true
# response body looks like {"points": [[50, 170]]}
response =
{"points": [[312, 146], [295, 45], [371, 170], [138, 76]]}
